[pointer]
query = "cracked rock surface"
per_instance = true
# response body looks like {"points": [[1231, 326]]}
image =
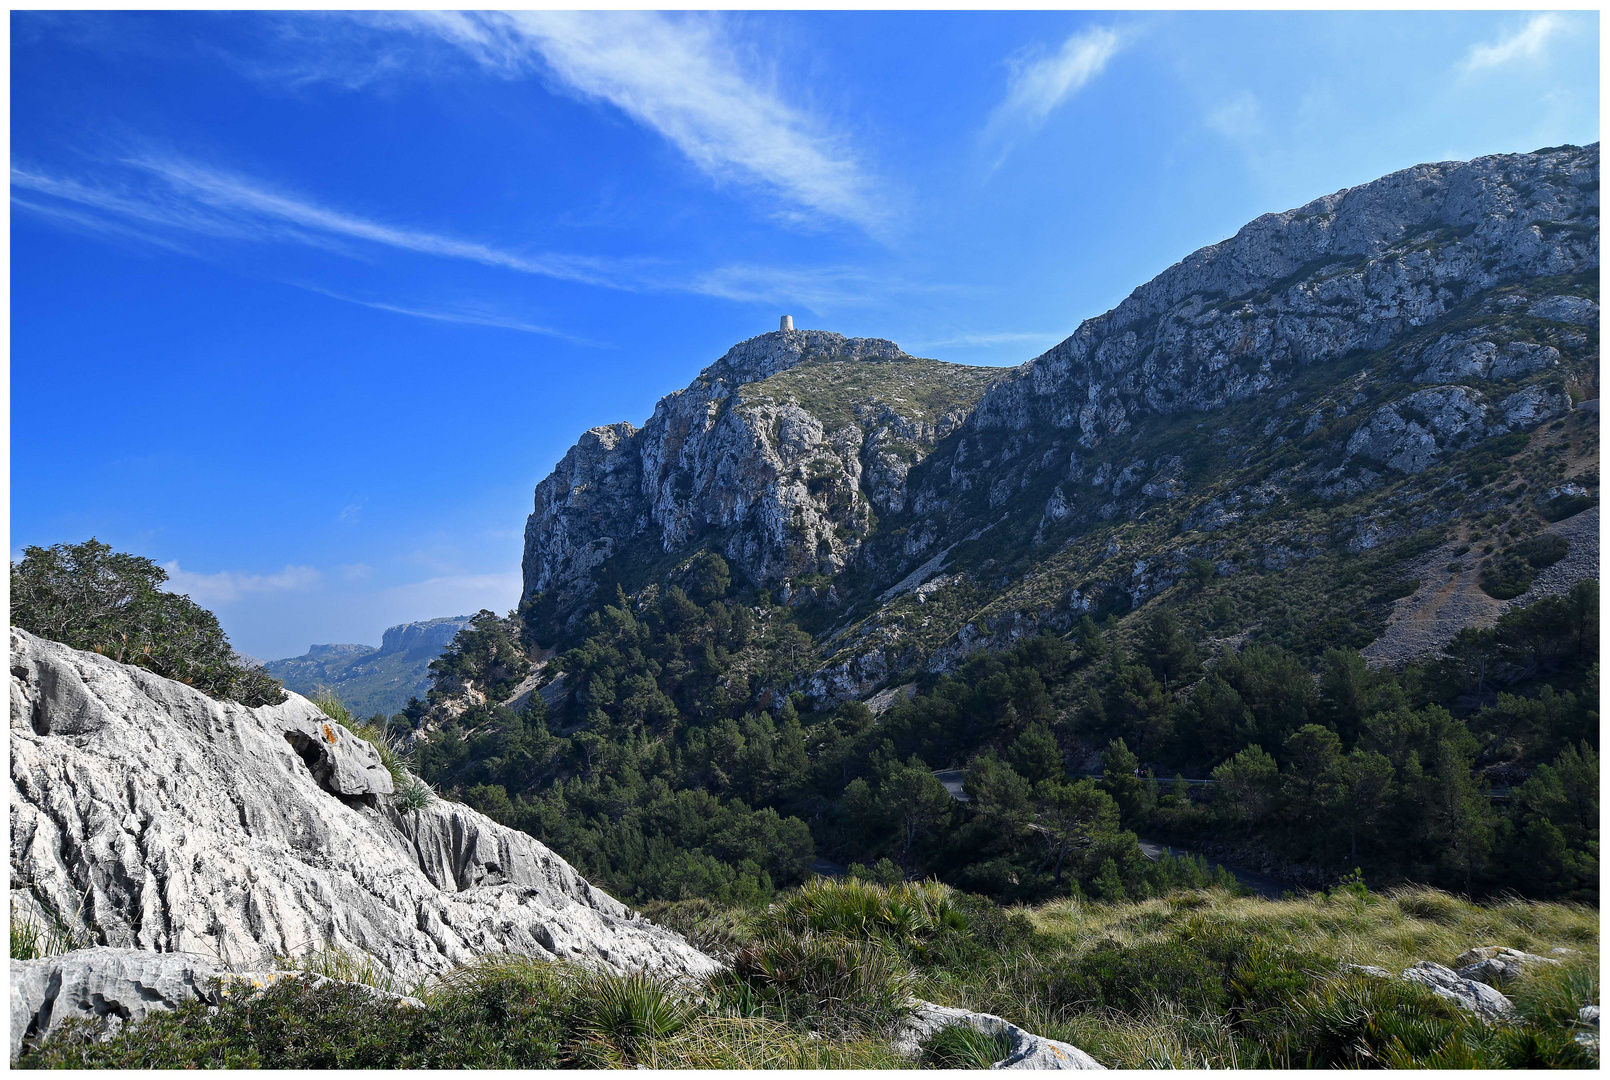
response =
{"points": [[148, 816]]}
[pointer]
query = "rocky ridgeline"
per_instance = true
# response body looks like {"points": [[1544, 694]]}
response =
{"points": [[369, 680], [1443, 278], [784, 486], [146, 816], [1350, 272], [1453, 280]]}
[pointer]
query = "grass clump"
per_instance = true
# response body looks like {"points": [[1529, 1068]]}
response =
{"points": [[906, 914], [840, 983], [963, 1046], [38, 930], [619, 1015]]}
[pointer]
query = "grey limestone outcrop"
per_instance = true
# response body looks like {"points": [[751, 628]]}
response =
{"points": [[110, 987], [146, 815], [1489, 962], [431, 635], [784, 488], [1029, 1051], [1478, 997], [1309, 286]]}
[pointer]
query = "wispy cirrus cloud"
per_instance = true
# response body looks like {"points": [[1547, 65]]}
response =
{"points": [[1530, 42], [682, 76], [989, 340], [466, 316], [174, 194], [1037, 86], [161, 199], [229, 585]]}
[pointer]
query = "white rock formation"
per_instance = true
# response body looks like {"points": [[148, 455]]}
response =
{"points": [[1029, 1051], [1489, 962], [1478, 997], [148, 816]]}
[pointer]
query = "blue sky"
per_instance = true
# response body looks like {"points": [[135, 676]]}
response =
{"points": [[303, 306]]}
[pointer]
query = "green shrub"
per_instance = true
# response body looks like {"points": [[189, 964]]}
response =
{"points": [[905, 914], [89, 597], [1134, 979], [1563, 506], [1511, 573], [845, 982], [489, 1024], [620, 1014]]}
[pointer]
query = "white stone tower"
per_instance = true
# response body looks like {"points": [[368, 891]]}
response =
{"points": [[787, 323]]}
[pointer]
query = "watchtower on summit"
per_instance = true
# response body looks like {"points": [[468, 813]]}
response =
{"points": [[787, 323]]}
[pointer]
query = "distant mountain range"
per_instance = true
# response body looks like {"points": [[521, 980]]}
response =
{"points": [[370, 680]]}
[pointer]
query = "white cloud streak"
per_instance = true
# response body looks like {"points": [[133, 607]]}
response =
{"points": [[229, 585], [981, 341], [156, 195], [1240, 119], [1528, 43], [210, 202], [451, 315], [680, 76], [1037, 87]]}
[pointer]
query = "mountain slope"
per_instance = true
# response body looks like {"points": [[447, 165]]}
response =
{"points": [[1176, 542], [1309, 393]]}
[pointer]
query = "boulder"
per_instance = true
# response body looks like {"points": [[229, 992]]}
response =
{"points": [[108, 986], [1029, 1051], [1587, 1035], [1576, 310], [111, 987], [145, 815], [1495, 962], [1478, 997]]}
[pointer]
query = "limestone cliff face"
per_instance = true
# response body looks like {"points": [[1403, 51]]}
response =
{"points": [[1352, 271], [782, 453]]}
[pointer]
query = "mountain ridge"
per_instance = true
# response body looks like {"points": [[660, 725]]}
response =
{"points": [[367, 679], [1411, 290]]}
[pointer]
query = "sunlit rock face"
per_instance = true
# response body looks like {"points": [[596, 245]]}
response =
{"points": [[149, 816], [780, 455]]}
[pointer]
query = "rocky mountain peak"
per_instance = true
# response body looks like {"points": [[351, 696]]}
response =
{"points": [[768, 354], [776, 455]]}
